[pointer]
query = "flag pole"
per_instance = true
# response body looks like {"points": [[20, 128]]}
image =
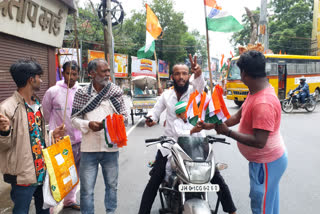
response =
{"points": [[208, 49], [159, 84]]}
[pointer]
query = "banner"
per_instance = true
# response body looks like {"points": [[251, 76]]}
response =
{"points": [[120, 62], [69, 54], [144, 67], [163, 69]]}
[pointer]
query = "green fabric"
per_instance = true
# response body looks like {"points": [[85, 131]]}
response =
{"points": [[180, 107], [193, 121], [225, 24], [142, 54]]}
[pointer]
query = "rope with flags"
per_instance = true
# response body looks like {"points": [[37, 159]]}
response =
{"points": [[209, 109]]}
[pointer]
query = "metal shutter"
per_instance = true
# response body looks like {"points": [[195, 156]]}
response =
{"points": [[13, 48]]}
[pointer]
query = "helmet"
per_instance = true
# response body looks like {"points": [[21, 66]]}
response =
{"points": [[302, 79]]}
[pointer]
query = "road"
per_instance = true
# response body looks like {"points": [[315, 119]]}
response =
{"points": [[298, 188]]}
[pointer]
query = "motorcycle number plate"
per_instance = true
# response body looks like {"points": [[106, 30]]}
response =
{"points": [[199, 188]]}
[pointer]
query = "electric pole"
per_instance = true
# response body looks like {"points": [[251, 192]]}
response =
{"points": [[263, 25]]}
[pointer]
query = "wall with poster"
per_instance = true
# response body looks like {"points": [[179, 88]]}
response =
{"points": [[120, 64], [163, 69], [69, 54], [145, 67]]}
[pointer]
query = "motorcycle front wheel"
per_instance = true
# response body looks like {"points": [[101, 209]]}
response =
{"points": [[287, 106], [311, 106]]}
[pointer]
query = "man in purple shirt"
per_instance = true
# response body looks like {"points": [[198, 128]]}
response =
{"points": [[53, 104]]}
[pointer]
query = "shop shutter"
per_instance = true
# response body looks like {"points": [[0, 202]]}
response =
{"points": [[14, 48]]}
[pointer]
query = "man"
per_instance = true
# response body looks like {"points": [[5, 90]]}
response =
{"points": [[53, 104], [180, 92], [91, 105], [22, 138], [303, 89], [259, 138]]}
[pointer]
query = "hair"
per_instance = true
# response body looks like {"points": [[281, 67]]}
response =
{"points": [[93, 64], [179, 64], [73, 64], [23, 70], [253, 63]]}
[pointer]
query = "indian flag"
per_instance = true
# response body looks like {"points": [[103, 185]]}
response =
{"points": [[217, 111], [204, 103], [152, 33], [220, 20], [192, 109]]}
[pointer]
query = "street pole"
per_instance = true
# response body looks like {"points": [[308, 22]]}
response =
{"points": [[107, 31], [263, 25]]}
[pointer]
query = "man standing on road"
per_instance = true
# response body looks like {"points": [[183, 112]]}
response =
{"points": [[91, 105], [180, 92], [53, 104], [259, 138], [22, 138]]}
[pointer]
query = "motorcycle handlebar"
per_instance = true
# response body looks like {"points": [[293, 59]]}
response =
{"points": [[153, 140], [213, 139]]}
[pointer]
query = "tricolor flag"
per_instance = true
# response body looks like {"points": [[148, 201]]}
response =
{"points": [[203, 106], [217, 111], [220, 20], [153, 32], [192, 109]]}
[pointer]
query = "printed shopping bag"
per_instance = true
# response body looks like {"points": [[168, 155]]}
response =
{"points": [[61, 168]]}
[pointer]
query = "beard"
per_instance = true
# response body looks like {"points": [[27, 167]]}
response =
{"points": [[101, 81], [181, 89]]}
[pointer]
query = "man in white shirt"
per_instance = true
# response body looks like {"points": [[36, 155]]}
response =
{"points": [[91, 105], [184, 85]]}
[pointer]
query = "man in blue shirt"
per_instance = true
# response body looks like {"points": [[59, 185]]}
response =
{"points": [[303, 89]]}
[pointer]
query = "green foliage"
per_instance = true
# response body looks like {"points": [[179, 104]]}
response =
{"points": [[290, 27]]}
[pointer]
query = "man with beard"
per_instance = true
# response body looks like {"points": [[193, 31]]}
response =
{"points": [[91, 105], [53, 103], [183, 87], [23, 137]]}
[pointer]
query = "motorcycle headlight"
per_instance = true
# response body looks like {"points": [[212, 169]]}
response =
{"points": [[199, 172]]}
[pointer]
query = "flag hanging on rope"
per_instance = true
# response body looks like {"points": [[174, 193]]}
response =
{"points": [[220, 20], [153, 31]]}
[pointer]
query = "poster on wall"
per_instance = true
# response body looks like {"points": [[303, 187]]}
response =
{"points": [[120, 62], [69, 54], [163, 69], [145, 67]]}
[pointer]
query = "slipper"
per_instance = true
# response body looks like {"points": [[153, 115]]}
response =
{"points": [[74, 206]]}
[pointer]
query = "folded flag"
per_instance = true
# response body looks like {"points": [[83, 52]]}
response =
{"points": [[153, 31], [220, 20], [114, 131]]}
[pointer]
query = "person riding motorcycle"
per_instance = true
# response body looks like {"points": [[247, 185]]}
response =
{"points": [[304, 92]]}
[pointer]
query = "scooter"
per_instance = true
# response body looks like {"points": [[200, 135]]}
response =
{"points": [[293, 102], [192, 167]]}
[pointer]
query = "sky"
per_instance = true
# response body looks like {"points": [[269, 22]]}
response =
{"points": [[195, 19]]}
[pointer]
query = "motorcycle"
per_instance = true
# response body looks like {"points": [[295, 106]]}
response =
{"points": [[293, 102], [192, 167]]}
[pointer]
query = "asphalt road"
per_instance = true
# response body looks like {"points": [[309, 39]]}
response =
{"points": [[299, 187]]}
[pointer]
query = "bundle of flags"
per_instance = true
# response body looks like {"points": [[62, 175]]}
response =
{"points": [[153, 31], [210, 109], [115, 131], [220, 20]]}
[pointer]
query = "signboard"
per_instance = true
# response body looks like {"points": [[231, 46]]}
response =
{"points": [[145, 67], [69, 54], [42, 21], [163, 69], [120, 62]]}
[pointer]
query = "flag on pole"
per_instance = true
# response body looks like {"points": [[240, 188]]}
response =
{"points": [[220, 20], [153, 31]]}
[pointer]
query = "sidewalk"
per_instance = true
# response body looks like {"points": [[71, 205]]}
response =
{"points": [[5, 201]]}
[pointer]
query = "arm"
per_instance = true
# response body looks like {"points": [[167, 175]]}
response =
{"points": [[196, 79], [305, 88], [234, 119], [5, 133], [81, 124], [296, 89], [263, 122], [179, 130], [158, 108], [47, 105]]}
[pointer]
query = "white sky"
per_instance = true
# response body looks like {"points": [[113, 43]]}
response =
{"points": [[194, 18]]}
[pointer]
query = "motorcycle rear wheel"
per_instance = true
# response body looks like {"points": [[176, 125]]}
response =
{"points": [[311, 106], [287, 107]]}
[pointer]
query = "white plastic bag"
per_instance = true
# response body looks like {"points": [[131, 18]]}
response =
{"points": [[48, 200]]}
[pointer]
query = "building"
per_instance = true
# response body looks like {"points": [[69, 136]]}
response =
{"points": [[31, 28]]}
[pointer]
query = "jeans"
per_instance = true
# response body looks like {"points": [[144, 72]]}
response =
{"points": [[88, 174], [157, 177], [303, 96], [22, 196]]}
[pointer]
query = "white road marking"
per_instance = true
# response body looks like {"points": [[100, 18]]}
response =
{"points": [[133, 127]]}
